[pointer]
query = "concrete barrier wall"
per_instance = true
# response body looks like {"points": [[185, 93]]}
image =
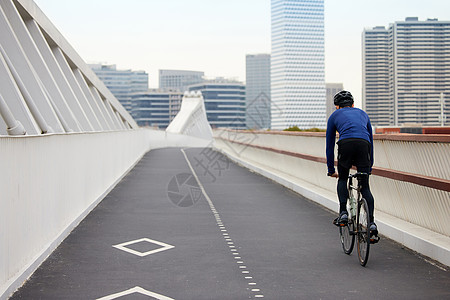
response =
{"points": [[49, 183], [410, 181]]}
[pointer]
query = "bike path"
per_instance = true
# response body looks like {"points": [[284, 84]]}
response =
{"points": [[248, 237]]}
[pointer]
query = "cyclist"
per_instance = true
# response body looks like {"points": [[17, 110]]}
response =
{"points": [[355, 148]]}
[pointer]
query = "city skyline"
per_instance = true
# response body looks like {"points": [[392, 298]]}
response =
{"points": [[141, 36], [406, 72]]}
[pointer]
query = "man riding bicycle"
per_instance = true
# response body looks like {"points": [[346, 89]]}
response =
{"points": [[355, 148]]}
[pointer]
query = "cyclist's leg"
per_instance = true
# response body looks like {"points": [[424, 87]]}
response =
{"points": [[362, 161], [344, 164], [366, 193], [342, 190]]}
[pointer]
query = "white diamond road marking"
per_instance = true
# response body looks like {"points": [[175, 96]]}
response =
{"points": [[137, 290], [123, 247]]}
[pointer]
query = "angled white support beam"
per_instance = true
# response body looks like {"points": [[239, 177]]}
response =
{"points": [[33, 43], [23, 71], [9, 90], [56, 88], [34, 110], [51, 33], [97, 107], [120, 120], [113, 115], [70, 77], [90, 105], [101, 104], [55, 82]]}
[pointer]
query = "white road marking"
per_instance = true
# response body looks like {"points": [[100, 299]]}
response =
{"points": [[137, 290], [123, 247], [221, 225]]}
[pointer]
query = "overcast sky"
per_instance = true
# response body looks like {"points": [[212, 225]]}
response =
{"points": [[215, 35]]}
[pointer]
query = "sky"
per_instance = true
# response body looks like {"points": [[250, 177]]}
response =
{"points": [[214, 36]]}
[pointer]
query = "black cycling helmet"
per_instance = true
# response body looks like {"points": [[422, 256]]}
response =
{"points": [[343, 98]]}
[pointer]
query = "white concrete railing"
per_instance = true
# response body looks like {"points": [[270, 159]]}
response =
{"points": [[49, 183], [410, 182]]}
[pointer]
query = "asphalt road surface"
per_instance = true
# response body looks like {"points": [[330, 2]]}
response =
{"points": [[237, 235]]}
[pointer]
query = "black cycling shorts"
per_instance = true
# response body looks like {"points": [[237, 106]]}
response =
{"points": [[354, 152]]}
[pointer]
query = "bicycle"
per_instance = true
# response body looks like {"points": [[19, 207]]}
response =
{"points": [[358, 223]]}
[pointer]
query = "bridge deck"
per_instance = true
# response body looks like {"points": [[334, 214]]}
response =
{"points": [[249, 238]]}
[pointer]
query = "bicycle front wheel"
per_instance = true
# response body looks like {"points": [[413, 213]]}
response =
{"points": [[363, 232], [347, 234]]}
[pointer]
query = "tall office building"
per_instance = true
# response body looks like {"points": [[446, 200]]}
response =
{"points": [[179, 79], [155, 107], [121, 83], [257, 93], [406, 72], [332, 89], [224, 102], [298, 64]]}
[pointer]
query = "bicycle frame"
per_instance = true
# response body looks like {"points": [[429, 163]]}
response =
{"points": [[352, 211], [356, 228]]}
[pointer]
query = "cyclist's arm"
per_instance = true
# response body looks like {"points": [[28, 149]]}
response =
{"points": [[330, 140], [369, 128]]}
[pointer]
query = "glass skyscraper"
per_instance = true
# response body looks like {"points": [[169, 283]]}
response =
{"points": [[257, 91], [405, 72], [298, 64]]}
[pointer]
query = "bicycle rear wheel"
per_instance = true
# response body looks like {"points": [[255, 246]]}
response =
{"points": [[347, 234], [363, 233]]}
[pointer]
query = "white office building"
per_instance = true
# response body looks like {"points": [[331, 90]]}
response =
{"points": [[298, 64], [406, 72], [179, 80], [121, 83], [224, 102], [332, 89], [155, 107]]}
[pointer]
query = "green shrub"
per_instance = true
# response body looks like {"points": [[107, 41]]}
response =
{"points": [[295, 128]]}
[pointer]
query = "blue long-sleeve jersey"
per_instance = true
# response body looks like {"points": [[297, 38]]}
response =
{"points": [[351, 123]]}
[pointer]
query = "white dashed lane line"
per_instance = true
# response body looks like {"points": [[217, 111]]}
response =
{"points": [[239, 261]]}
